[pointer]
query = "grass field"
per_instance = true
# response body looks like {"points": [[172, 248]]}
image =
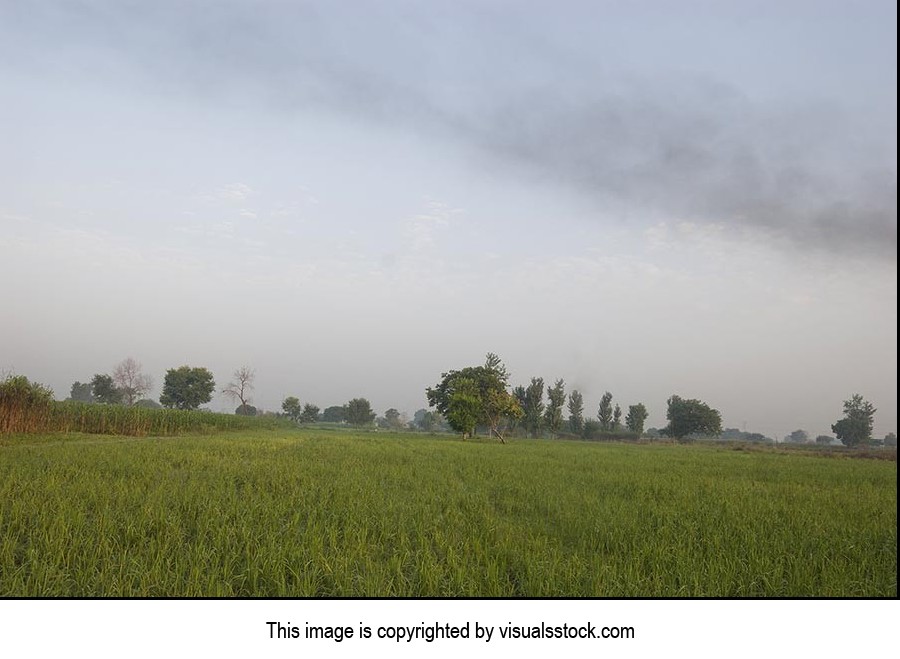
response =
{"points": [[318, 513]]}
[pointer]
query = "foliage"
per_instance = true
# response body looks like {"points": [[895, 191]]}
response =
{"points": [[246, 410], [475, 395], [855, 429], [425, 420], [591, 429], [310, 413], [335, 414], [890, 439], [797, 437], [81, 392], [533, 408], [23, 405], [187, 388], [291, 407], [556, 398], [824, 439], [635, 418], [576, 412], [130, 381], [148, 403], [691, 417], [359, 412], [105, 390], [605, 412]]}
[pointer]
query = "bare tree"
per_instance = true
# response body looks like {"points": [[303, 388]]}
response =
{"points": [[128, 379], [240, 387]]}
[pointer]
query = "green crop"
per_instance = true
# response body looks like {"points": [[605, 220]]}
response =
{"points": [[315, 513]]}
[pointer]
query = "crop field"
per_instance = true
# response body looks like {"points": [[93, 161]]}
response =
{"points": [[279, 512]]}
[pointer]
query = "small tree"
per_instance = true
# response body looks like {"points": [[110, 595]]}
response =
{"points": [[187, 388], [246, 410], [855, 429], [890, 440], [240, 387], [691, 417], [617, 417], [635, 418], [359, 412]]}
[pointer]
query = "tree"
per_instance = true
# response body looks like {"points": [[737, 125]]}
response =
{"points": [[246, 409], [130, 381], [533, 409], [797, 437], [605, 412], [81, 393], [890, 440], [187, 388], [475, 395], [310, 413], [576, 412], [691, 417], [855, 429], [105, 391], [241, 386], [824, 440], [359, 412], [425, 420], [617, 417], [635, 418], [148, 403], [556, 398], [291, 407], [335, 414]]}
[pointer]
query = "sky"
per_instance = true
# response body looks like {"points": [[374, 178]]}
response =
{"points": [[647, 198]]}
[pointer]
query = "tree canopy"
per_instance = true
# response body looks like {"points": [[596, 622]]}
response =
{"points": [[187, 388], [475, 395], [691, 417], [359, 412], [855, 429]]}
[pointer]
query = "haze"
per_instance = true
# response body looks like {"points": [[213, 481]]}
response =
{"points": [[650, 198]]}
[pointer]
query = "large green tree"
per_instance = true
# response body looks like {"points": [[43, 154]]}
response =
{"points": [[187, 388], [533, 409], [691, 417], [855, 429], [475, 395], [635, 418], [359, 412], [81, 392], [291, 407]]}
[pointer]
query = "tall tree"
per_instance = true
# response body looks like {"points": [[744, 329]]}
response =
{"points": [[129, 379], [605, 412], [617, 417], [691, 417], [556, 398], [241, 386], [576, 412], [335, 414], [635, 418], [104, 390], [855, 429], [534, 407], [359, 412], [187, 388]]}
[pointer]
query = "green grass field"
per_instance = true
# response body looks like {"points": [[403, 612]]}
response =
{"points": [[318, 513]]}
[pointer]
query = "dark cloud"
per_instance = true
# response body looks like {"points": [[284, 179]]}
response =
{"points": [[803, 172]]}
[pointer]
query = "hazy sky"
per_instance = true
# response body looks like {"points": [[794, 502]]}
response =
{"points": [[650, 198]]}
